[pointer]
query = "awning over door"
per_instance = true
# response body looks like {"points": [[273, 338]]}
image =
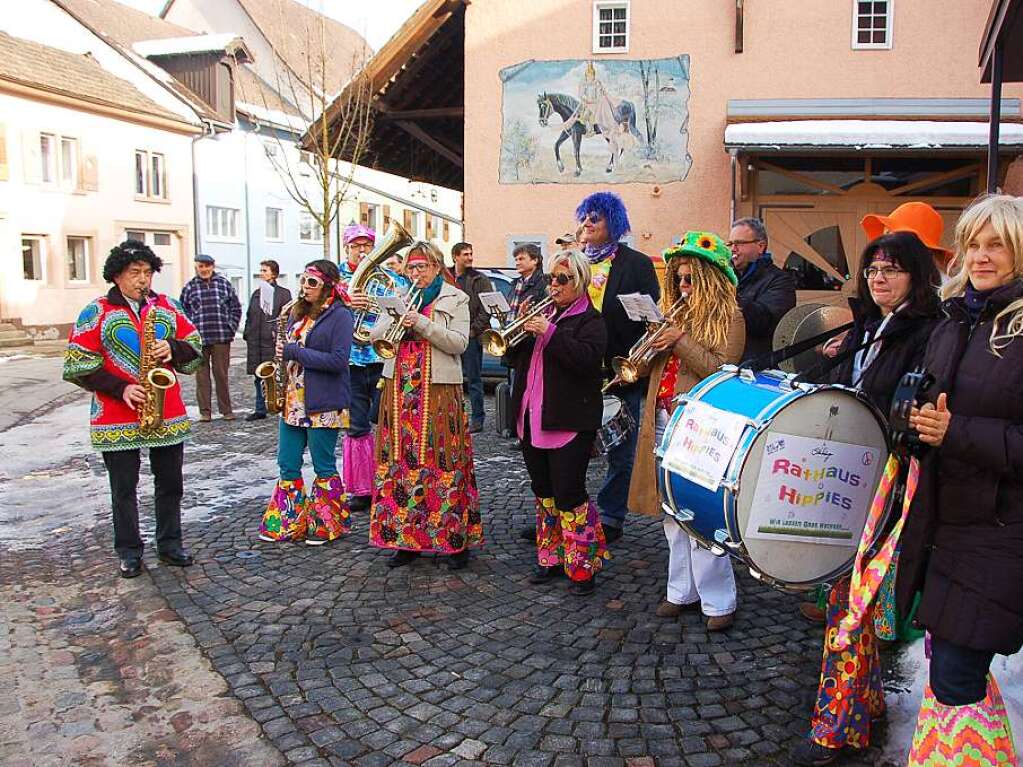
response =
{"points": [[876, 135]]}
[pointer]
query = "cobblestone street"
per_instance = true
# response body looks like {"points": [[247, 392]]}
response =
{"points": [[338, 660]]}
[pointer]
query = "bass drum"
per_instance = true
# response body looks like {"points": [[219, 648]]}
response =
{"points": [[774, 408]]}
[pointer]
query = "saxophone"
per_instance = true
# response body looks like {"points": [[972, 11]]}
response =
{"points": [[271, 374], [155, 380]]}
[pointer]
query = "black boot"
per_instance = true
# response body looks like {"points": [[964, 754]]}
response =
{"points": [[459, 561], [528, 534], [401, 558], [545, 574], [583, 588], [360, 502]]}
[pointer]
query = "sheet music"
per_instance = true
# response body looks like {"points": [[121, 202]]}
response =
{"points": [[393, 306], [640, 307], [494, 302]]}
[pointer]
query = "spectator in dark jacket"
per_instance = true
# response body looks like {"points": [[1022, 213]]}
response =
{"points": [[765, 291], [317, 390], [260, 332], [472, 283], [531, 284], [213, 307], [963, 542]]}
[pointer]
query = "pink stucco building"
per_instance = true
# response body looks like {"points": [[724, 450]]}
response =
{"points": [[807, 114]]}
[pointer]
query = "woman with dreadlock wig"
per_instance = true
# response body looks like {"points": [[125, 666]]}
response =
{"points": [[712, 333]]}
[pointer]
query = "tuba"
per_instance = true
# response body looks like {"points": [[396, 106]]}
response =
{"points": [[630, 369], [498, 342], [155, 380], [370, 272], [271, 374]]}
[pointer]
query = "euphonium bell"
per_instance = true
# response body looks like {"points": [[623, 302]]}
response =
{"points": [[497, 342]]}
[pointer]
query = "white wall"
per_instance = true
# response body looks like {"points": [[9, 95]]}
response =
{"points": [[102, 215]]}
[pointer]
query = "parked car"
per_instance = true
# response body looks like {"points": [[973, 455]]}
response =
{"points": [[493, 370]]}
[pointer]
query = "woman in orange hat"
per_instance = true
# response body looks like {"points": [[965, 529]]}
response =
{"points": [[894, 313]]}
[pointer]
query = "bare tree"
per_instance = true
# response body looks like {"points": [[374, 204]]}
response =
{"points": [[336, 118]]}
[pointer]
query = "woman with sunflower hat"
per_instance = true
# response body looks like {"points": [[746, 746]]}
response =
{"points": [[711, 333]]}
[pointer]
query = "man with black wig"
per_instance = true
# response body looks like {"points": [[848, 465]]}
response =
{"points": [[103, 357]]}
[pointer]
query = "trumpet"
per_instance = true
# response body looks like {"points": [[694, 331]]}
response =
{"points": [[498, 342], [630, 369], [387, 345]]}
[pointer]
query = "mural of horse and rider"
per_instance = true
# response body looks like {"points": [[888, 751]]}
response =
{"points": [[579, 121]]}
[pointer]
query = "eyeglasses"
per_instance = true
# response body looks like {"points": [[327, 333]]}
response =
{"points": [[562, 279], [593, 217], [309, 281], [886, 274], [733, 244], [419, 266]]}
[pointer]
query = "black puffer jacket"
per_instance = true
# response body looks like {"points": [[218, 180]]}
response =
{"points": [[963, 541], [765, 295], [904, 340]]}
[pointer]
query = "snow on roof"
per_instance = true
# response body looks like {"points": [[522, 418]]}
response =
{"points": [[874, 134], [273, 116], [170, 46]]}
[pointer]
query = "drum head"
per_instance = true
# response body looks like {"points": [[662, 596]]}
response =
{"points": [[612, 407], [832, 414]]}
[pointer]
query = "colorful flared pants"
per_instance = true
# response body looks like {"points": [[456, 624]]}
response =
{"points": [[850, 694], [328, 514], [975, 735], [291, 515], [572, 538], [285, 517]]}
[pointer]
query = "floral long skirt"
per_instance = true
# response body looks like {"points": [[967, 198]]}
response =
{"points": [[850, 694], [425, 496]]}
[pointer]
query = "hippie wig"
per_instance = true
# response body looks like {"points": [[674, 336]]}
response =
{"points": [[711, 304], [611, 208], [127, 253]]}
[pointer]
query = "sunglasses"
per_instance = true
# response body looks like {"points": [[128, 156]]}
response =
{"points": [[686, 279], [561, 279], [310, 281], [593, 217]]}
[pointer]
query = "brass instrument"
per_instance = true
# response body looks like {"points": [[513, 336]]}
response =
{"points": [[369, 272], [271, 374], [630, 369], [155, 380], [386, 346], [497, 342]]}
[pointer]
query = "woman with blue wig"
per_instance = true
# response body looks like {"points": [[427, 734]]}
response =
{"points": [[616, 269]]}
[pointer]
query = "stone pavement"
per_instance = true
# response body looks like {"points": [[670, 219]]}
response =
{"points": [[341, 660]]}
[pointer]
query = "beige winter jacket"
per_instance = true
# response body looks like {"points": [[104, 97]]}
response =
{"points": [[447, 330]]}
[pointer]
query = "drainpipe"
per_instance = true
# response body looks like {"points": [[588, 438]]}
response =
{"points": [[733, 155], [196, 217], [248, 222]]}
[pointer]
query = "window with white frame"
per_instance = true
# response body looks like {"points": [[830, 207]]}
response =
{"points": [[872, 24], [611, 26], [150, 175], [161, 239], [58, 157], [309, 229], [33, 258], [78, 259], [222, 222], [274, 224]]}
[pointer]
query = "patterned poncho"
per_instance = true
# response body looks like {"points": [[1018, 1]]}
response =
{"points": [[106, 338]]}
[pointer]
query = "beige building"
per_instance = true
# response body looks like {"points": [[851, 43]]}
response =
{"points": [[808, 114]]}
